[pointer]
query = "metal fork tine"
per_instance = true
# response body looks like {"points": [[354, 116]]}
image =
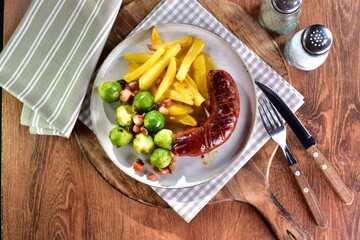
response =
{"points": [[264, 116], [267, 113], [280, 120]]}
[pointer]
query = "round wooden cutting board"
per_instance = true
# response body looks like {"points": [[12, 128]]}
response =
{"points": [[251, 183]]}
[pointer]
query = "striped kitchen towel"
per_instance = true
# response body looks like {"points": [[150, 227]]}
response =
{"points": [[187, 202], [49, 60]]}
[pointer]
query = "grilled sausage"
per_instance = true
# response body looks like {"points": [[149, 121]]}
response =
{"points": [[224, 113]]}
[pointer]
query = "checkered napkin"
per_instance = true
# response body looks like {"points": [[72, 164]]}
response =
{"points": [[187, 202], [49, 60]]}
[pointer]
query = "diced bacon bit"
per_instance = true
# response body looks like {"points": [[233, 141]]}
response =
{"points": [[133, 85], [158, 105], [125, 95], [163, 171], [171, 167], [167, 102], [172, 164], [138, 165], [152, 177], [138, 120], [158, 81], [172, 118], [144, 130], [136, 129], [164, 110]]}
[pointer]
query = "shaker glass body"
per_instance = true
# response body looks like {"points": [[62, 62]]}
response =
{"points": [[276, 22], [296, 55]]}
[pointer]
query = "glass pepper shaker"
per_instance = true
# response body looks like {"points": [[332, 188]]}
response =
{"points": [[309, 47], [279, 16]]}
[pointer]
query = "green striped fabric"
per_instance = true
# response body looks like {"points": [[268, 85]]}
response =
{"points": [[49, 61]]}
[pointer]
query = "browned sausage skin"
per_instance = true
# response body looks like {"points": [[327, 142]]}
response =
{"points": [[224, 113]]}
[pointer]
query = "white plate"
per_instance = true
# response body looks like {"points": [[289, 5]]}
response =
{"points": [[189, 171]]}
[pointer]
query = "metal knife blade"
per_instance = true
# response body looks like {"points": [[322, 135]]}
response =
{"points": [[300, 131], [309, 143]]}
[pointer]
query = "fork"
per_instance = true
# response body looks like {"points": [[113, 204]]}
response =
{"points": [[274, 125]]}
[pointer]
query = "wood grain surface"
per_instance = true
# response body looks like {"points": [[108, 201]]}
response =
{"points": [[251, 184], [51, 191]]}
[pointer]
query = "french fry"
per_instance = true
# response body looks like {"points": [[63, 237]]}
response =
{"points": [[133, 66], [154, 36], [137, 57], [210, 64], [180, 109], [190, 56], [198, 98], [145, 67], [153, 89], [176, 70], [199, 74], [167, 80], [180, 56], [174, 95], [154, 72], [185, 41], [191, 81], [183, 119], [183, 88]]}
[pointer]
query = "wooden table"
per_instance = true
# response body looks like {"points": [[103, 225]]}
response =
{"points": [[50, 190]]}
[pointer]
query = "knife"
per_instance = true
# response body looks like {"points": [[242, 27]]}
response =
{"points": [[309, 144]]}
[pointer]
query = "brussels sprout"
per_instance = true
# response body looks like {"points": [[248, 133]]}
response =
{"points": [[154, 121], [143, 144], [164, 138], [124, 115], [109, 91], [143, 101], [119, 136], [160, 158]]}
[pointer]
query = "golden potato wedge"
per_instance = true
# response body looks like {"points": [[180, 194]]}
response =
{"points": [[199, 74], [137, 57], [183, 88], [183, 119], [167, 80], [190, 56], [133, 66], [154, 36], [145, 67], [153, 89], [180, 109], [210, 63], [198, 98], [174, 95], [154, 72], [185, 41], [191, 81]]}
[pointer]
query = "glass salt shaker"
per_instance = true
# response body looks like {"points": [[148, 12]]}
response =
{"points": [[309, 47], [279, 16]]}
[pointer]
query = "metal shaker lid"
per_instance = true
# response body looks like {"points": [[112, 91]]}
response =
{"points": [[316, 39], [286, 6]]}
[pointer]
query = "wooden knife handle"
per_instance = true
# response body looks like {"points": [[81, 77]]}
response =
{"points": [[331, 175], [309, 195]]}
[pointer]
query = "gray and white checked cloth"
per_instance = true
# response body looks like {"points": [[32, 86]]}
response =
{"points": [[49, 60], [187, 202]]}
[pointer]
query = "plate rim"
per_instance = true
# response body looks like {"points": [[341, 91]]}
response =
{"points": [[105, 65]]}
